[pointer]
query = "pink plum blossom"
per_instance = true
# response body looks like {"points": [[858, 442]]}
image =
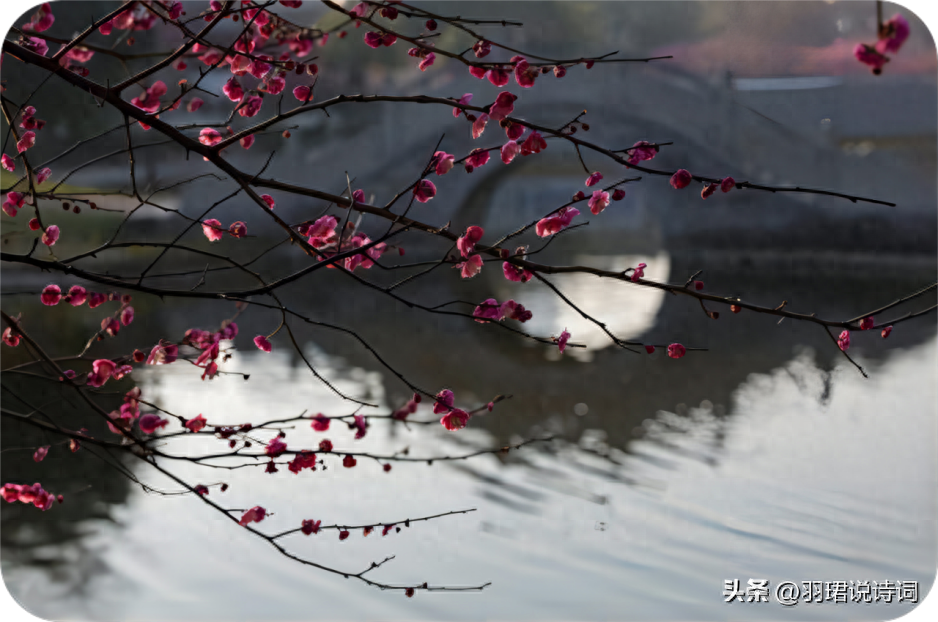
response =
{"points": [[708, 190], [8, 163], [195, 104], [424, 190], [534, 143], [869, 56], [96, 299], [442, 162], [51, 235], [469, 239], [163, 354], [426, 62], [77, 295], [150, 423], [509, 151], [639, 272], [477, 157], [233, 89], [251, 106], [477, 72], [504, 105], [51, 295], [599, 201], [444, 402], [196, 423], [127, 315], [514, 131], [481, 48], [40, 453], [254, 515], [262, 343], [247, 141], [361, 427], [886, 331], [676, 350], [303, 93], [464, 100], [562, 341], [594, 179], [320, 423], [478, 126], [455, 420], [640, 151], [498, 76], [213, 230], [43, 19], [209, 137], [557, 222], [238, 229], [275, 447], [149, 100], [471, 267], [843, 342], [322, 232], [43, 174], [681, 179], [893, 35], [26, 141]]}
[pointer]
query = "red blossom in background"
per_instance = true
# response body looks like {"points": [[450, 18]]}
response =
{"points": [[195, 424], [41, 19], [471, 267], [151, 423], [681, 179], [893, 34]]}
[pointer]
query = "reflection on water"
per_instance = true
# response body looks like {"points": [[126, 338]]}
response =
{"points": [[810, 476], [627, 311]]}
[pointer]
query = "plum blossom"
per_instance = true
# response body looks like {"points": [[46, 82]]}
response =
{"points": [[361, 427], [40, 453], [209, 137], [869, 56], [676, 350], [10, 338], [866, 323], [426, 62], [200, 489], [149, 100], [251, 106], [514, 273], [504, 105], [681, 179], [311, 526], [477, 72], [534, 143], [51, 235], [524, 73], [163, 354], [455, 420], [233, 89], [213, 230], [727, 184], [481, 48], [96, 299], [708, 190], [407, 409], [843, 342], [111, 326], [43, 19], [254, 515], [599, 201], [885, 333], [560, 71], [490, 309], [26, 141], [514, 131], [322, 232], [498, 76], [478, 126], [349, 461], [562, 341], [247, 141], [557, 222], [127, 315], [8, 163], [320, 423], [344, 533], [43, 174], [424, 190], [325, 445], [238, 229], [303, 93], [51, 295], [375, 40], [196, 423], [893, 34], [275, 447], [471, 267], [442, 162], [469, 239], [13, 202], [477, 157], [150, 423], [464, 100], [510, 151], [37, 45], [444, 402], [262, 343], [641, 151], [195, 104], [594, 179], [618, 194], [639, 272], [34, 494]]}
